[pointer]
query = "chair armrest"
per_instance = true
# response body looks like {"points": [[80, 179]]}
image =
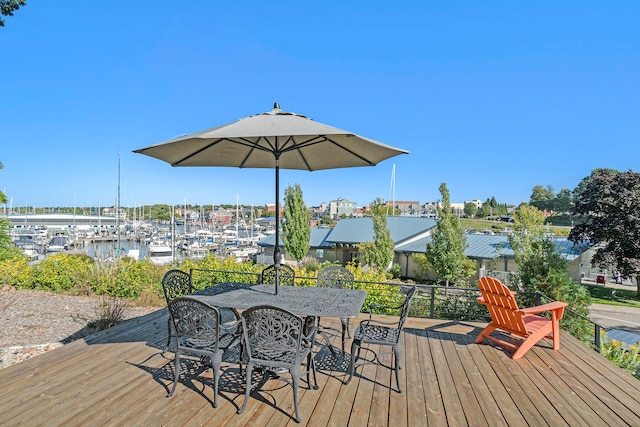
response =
{"points": [[309, 338], [367, 322], [552, 306]]}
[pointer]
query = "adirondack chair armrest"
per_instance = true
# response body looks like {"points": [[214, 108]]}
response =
{"points": [[552, 306]]}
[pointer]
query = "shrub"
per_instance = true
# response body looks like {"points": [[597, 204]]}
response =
{"points": [[14, 271], [62, 272], [625, 357], [396, 271]]}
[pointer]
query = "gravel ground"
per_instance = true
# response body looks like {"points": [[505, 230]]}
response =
{"points": [[33, 322]]}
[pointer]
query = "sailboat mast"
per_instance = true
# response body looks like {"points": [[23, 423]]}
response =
{"points": [[118, 208]]}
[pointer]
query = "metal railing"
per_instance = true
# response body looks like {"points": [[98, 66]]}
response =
{"points": [[431, 301]]}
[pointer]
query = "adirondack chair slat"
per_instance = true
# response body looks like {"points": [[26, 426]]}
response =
{"points": [[525, 323]]}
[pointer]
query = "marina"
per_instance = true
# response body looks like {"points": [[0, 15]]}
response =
{"points": [[102, 237]]}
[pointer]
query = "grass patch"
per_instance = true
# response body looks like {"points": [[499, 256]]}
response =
{"points": [[109, 313], [613, 296]]}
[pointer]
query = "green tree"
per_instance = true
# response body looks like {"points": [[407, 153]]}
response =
{"points": [[445, 252], [582, 185], [379, 253], [296, 231], [3, 197], [542, 198], [7, 7], [7, 248], [563, 201], [528, 227], [540, 267], [326, 220], [609, 208], [470, 209]]}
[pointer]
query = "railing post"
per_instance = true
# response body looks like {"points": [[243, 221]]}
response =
{"points": [[432, 307], [597, 336]]}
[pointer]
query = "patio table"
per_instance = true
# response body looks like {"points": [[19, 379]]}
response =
{"points": [[303, 301]]}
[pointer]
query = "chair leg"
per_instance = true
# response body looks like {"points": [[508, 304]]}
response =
{"points": [[296, 382], [311, 366], [216, 361], [355, 347], [485, 333], [397, 355], [345, 332], [249, 369], [529, 342], [166, 348], [556, 335], [177, 373]]}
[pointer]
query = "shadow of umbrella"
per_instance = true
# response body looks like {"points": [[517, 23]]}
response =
{"points": [[275, 139]]}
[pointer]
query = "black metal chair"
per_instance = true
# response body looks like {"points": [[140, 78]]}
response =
{"points": [[336, 276], [198, 332], [178, 283], [277, 339], [286, 275], [175, 284], [376, 332]]}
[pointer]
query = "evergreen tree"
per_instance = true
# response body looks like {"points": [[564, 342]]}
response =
{"points": [[379, 253], [445, 252], [296, 231]]}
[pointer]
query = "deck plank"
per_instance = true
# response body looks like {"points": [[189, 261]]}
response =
{"points": [[415, 414], [453, 410], [482, 391], [470, 406], [121, 377]]}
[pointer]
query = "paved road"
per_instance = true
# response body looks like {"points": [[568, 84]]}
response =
{"points": [[623, 322], [611, 316]]}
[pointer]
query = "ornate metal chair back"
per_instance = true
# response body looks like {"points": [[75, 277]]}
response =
{"points": [[406, 306], [335, 276], [286, 274], [197, 324], [272, 335], [176, 283]]}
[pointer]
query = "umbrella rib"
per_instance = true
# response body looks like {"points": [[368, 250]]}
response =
{"points": [[195, 153], [317, 140], [364, 159], [253, 146]]}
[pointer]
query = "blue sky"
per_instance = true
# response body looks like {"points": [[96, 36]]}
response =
{"points": [[492, 98]]}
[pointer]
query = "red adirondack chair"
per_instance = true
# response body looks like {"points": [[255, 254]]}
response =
{"points": [[523, 323]]}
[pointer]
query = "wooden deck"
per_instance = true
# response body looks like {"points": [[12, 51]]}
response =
{"points": [[120, 377]]}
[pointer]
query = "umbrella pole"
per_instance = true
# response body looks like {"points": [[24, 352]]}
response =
{"points": [[276, 249]]}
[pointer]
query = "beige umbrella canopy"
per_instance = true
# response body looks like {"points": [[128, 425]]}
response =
{"points": [[275, 139]]}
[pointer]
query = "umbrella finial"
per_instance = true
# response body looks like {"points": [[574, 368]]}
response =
{"points": [[276, 106]]}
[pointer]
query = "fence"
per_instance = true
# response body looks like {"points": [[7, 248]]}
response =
{"points": [[433, 302]]}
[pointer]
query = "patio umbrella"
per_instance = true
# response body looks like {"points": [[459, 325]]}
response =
{"points": [[275, 139]]}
